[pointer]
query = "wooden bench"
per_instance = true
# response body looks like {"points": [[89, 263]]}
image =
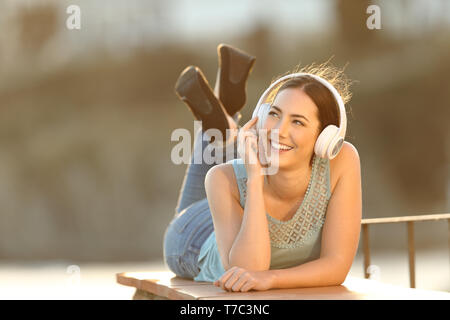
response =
{"points": [[165, 285]]}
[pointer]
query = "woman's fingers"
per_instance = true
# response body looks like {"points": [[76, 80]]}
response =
{"points": [[234, 277], [224, 278], [247, 134], [229, 278], [248, 145], [243, 279], [249, 123], [248, 149], [247, 129], [244, 138], [247, 286]]}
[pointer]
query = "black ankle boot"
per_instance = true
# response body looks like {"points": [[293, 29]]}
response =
{"points": [[194, 90], [234, 69]]}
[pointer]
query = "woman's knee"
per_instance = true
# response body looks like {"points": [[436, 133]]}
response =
{"points": [[177, 265]]}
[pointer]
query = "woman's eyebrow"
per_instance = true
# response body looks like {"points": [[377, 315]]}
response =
{"points": [[292, 115]]}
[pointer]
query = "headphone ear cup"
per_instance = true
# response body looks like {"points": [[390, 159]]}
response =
{"points": [[324, 141], [262, 113], [335, 147]]}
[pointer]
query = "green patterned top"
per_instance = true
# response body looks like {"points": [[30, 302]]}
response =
{"points": [[293, 242]]}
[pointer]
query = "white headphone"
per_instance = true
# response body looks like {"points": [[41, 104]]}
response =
{"points": [[331, 139]]}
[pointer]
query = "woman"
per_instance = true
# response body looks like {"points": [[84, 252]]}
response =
{"points": [[246, 231]]}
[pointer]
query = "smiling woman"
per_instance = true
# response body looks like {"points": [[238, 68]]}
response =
{"points": [[312, 96], [244, 230]]}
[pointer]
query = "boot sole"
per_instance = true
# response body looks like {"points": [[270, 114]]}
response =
{"points": [[193, 89], [234, 68]]}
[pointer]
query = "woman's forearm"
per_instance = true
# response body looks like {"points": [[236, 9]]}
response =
{"points": [[251, 248], [321, 272]]}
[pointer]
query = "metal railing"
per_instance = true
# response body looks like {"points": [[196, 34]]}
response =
{"points": [[409, 220]]}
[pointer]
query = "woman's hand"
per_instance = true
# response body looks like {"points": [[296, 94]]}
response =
{"points": [[248, 149], [239, 279]]}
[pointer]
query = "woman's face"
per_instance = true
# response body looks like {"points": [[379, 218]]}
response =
{"points": [[295, 115]]}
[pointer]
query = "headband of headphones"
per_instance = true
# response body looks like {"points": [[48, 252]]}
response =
{"points": [[337, 97]]}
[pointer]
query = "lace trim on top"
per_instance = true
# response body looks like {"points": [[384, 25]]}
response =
{"points": [[310, 215]]}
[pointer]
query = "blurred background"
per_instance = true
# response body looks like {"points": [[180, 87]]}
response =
{"points": [[86, 118]]}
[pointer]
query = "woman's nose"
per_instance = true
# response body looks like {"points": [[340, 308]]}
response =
{"points": [[283, 127]]}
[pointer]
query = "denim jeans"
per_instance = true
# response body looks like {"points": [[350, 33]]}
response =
{"points": [[192, 223]]}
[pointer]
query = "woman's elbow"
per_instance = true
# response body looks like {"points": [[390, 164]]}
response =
{"points": [[339, 276], [333, 279], [339, 272], [340, 280]]}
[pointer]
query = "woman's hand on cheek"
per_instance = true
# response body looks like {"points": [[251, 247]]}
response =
{"points": [[248, 149], [240, 280]]}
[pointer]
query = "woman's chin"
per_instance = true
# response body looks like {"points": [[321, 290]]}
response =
{"points": [[281, 157]]}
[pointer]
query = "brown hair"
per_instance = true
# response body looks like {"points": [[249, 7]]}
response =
{"points": [[328, 109]]}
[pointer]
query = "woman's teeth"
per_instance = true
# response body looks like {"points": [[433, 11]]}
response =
{"points": [[281, 147]]}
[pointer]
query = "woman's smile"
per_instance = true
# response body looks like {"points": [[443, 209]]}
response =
{"points": [[280, 147]]}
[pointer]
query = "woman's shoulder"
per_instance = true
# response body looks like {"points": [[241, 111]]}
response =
{"points": [[223, 176], [346, 160], [348, 156]]}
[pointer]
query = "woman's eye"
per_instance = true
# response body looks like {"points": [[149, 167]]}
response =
{"points": [[297, 122]]}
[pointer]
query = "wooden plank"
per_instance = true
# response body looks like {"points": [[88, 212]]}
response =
{"points": [[163, 278], [166, 285], [351, 289], [144, 295], [158, 283], [316, 293], [130, 279], [426, 217], [155, 282]]}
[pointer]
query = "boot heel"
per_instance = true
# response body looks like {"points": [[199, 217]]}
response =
{"points": [[234, 68]]}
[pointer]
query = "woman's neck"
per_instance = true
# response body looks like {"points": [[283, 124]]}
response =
{"points": [[288, 184]]}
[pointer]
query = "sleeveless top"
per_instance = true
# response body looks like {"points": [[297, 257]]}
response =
{"points": [[293, 242]]}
